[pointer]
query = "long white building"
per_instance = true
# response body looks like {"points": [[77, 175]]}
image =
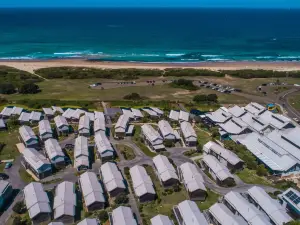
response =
{"points": [[81, 153], [103, 146], [188, 133], [167, 132], [152, 137], [165, 170]]}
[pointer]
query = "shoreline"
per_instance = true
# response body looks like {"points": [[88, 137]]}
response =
{"points": [[31, 65]]}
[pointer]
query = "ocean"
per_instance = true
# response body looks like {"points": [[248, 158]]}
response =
{"points": [[151, 35]]}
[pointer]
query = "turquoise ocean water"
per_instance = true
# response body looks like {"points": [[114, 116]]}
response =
{"points": [[151, 35]]}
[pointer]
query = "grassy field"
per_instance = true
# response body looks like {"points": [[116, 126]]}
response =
{"points": [[25, 176], [250, 177], [211, 199], [137, 141], [202, 137], [295, 101], [126, 151]]}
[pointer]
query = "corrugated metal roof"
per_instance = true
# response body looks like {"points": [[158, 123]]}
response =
{"points": [[35, 116], [99, 124], [271, 207], [45, 127], [99, 115], [192, 179], [164, 168], [141, 181], [255, 108], [17, 110], [191, 214], [184, 116], [27, 133], [88, 222], [102, 143], [64, 200], [112, 177], [91, 188], [166, 130], [6, 111], [24, 117], [235, 126], [157, 110], [123, 216], [161, 220], [81, 147], [57, 109], [188, 131], [60, 121], [128, 113], [219, 116], [236, 111], [137, 113], [82, 161], [48, 111], [2, 123], [150, 112], [84, 123], [34, 158], [174, 115], [152, 135], [77, 114], [68, 113], [245, 209], [53, 149], [219, 170], [36, 199], [91, 115], [122, 123]]}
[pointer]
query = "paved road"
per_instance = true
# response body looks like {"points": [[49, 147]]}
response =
{"points": [[282, 99]]}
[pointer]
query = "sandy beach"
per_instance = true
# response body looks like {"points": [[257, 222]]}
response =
{"points": [[30, 66]]}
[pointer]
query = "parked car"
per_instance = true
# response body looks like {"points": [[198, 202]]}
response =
{"points": [[8, 165]]}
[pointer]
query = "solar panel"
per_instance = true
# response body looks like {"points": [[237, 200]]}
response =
{"points": [[293, 197]]}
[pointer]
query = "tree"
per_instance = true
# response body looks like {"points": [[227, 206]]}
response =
{"points": [[133, 96], [19, 207], [13, 122], [199, 148], [261, 170], [168, 143], [200, 98], [29, 88], [176, 187], [295, 222], [212, 98], [121, 199], [7, 89], [102, 216], [214, 132]]}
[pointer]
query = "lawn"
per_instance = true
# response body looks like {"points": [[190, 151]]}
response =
{"points": [[202, 137], [211, 199], [250, 177], [25, 176], [10, 138], [294, 101], [126, 151], [136, 139]]}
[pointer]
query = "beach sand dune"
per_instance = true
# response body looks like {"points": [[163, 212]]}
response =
{"points": [[30, 66]]}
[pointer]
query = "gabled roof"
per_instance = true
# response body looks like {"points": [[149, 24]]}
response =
{"points": [[81, 147], [53, 149], [122, 123], [123, 216], [27, 133], [84, 123], [164, 168], [99, 124], [45, 127], [36, 199], [191, 214], [99, 115], [292, 196], [88, 221], [68, 113], [91, 115], [128, 113], [255, 108], [82, 161], [112, 177], [219, 116], [151, 134], [17, 110], [57, 109], [184, 116], [166, 129], [60, 121], [2, 123], [248, 211], [236, 111], [219, 170], [229, 156], [48, 111], [174, 115], [188, 131], [137, 113], [91, 188], [24, 117], [34, 158], [235, 126], [161, 220], [270, 206], [102, 143], [157, 110], [150, 112], [35, 116], [77, 113], [6, 111], [141, 181], [64, 200], [192, 179]]}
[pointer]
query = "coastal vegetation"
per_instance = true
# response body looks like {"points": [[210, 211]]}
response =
{"points": [[184, 84], [211, 98], [133, 96], [248, 74]]}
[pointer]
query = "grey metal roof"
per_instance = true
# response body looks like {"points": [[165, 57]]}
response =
{"points": [[221, 172], [27, 133], [157, 110], [270, 206], [164, 168], [236, 111], [268, 152], [122, 123], [84, 123], [77, 113], [6, 111], [60, 121], [45, 127], [99, 115], [81, 161], [188, 131], [161, 220], [91, 115], [229, 156], [2, 123], [174, 115], [35, 116], [141, 181], [128, 113], [150, 112], [48, 111], [123, 216], [36, 199], [89, 221], [235, 126], [166, 130], [184, 116], [24, 117], [191, 214], [68, 113], [55, 223], [3, 185], [91, 188], [112, 177], [246, 209], [81, 147], [192, 179], [34, 158], [64, 200], [276, 120], [152, 135], [99, 124], [17, 110], [219, 116], [224, 216], [57, 109], [255, 108], [102, 143], [137, 113], [53, 149]]}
